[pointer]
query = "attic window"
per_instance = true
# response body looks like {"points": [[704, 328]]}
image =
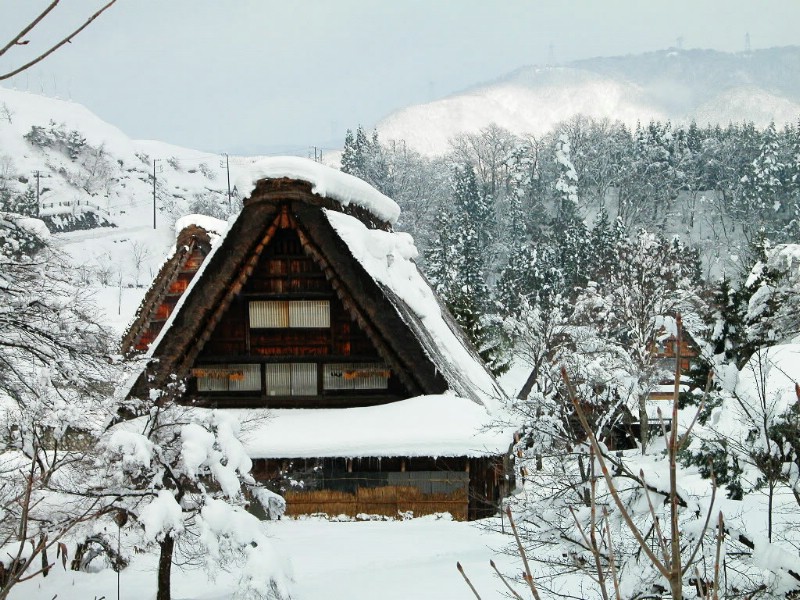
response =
{"points": [[290, 313], [228, 378]]}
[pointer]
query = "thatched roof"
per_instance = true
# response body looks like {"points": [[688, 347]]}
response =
{"points": [[195, 237], [413, 333]]}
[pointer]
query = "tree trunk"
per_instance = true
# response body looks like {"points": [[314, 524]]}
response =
{"points": [[644, 424], [165, 568]]}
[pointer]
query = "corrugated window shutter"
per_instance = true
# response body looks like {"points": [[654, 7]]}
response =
{"points": [[279, 379], [290, 313], [304, 379], [309, 313], [355, 376], [269, 313], [240, 378]]}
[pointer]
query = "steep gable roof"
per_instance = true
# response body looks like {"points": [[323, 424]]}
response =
{"points": [[350, 241], [196, 235]]}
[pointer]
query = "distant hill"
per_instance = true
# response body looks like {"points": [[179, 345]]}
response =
{"points": [[86, 166], [96, 191], [681, 85]]}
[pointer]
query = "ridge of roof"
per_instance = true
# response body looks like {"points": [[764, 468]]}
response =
{"points": [[325, 181]]}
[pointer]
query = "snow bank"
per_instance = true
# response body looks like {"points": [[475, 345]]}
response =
{"points": [[34, 226], [423, 426], [325, 182], [389, 260]]}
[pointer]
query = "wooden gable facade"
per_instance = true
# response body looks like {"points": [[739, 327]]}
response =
{"points": [[665, 356], [281, 315], [288, 340], [285, 318]]}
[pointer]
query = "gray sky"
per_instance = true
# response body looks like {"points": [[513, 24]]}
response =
{"points": [[241, 75]]}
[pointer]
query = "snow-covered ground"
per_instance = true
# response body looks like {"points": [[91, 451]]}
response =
{"points": [[391, 560]]}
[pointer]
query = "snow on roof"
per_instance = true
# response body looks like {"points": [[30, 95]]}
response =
{"points": [[441, 425], [210, 224], [325, 182], [389, 259]]}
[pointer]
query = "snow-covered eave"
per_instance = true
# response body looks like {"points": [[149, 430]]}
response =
{"points": [[435, 426], [425, 426], [325, 182]]}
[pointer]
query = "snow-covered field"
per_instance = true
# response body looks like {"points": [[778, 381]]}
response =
{"points": [[390, 560]]}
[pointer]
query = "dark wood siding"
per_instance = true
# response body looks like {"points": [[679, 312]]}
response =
{"points": [[284, 272]]}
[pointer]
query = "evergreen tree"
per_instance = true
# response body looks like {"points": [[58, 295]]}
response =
{"points": [[25, 203], [352, 160], [458, 265], [566, 185]]}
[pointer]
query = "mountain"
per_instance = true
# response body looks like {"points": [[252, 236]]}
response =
{"points": [[681, 85]]}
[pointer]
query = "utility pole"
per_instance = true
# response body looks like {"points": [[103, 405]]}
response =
{"points": [[155, 160], [228, 171], [38, 174]]}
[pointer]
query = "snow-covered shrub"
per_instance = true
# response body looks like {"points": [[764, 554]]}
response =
{"points": [[185, 470]]}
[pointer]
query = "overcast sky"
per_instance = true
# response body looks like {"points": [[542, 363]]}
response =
{"points": [[241, 75]]}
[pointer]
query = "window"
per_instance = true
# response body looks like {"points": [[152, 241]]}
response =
{"points": [[290, 313], [355, 376], [228, 378], [291, 379]]}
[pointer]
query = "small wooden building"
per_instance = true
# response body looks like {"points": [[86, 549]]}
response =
{"points": [[310, 303], [665, 355]]}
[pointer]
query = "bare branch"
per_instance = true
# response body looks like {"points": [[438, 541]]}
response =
{"points": [[469, 583], [505, 582], [527, 575], [15, 40], [610, 482], [56, 46]]}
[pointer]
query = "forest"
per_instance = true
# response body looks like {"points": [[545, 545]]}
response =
{"points": [[583, 255]]}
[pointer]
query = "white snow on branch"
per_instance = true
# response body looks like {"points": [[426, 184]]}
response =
{"points": [[163, 516]]}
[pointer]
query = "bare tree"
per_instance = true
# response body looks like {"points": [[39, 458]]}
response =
{"points": [[139, 255], [53, 384], [19, 38]]}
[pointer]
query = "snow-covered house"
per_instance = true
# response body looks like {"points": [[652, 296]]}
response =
{"points": [[311, 306]]}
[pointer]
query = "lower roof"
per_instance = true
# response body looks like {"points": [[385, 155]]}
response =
{"points": [[434, 426]]}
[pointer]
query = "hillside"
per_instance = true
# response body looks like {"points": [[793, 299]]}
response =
{"points": [[681, 85], [96, 191]]}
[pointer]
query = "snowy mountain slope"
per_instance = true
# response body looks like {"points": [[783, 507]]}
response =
{"points": [[87, 166], [517, 107], [88, 162], [704, 85]]}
